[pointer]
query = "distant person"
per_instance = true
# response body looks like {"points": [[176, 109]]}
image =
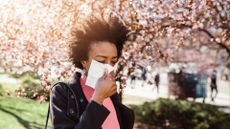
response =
{"points": [[213, 85], [157, 81], [132, 79], [132, 76], [144, 76]]}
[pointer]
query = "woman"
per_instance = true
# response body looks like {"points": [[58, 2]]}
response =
{"points": [[78, 106]]}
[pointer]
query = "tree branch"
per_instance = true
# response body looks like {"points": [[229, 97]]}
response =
{"points": [[182, 26]]}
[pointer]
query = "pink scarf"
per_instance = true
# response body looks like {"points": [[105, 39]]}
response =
{"points": [[111, 121]]}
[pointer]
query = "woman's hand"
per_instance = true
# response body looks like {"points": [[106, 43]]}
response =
{"points": [[106, 87]]}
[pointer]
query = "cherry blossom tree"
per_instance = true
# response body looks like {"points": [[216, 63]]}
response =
{"points": [[205, 22], [34, 34]]}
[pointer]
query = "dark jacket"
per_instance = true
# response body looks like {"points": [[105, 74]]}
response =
{"points": [[70, 109]]}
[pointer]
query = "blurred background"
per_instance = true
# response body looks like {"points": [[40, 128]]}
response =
{"points": [[175, 67]]}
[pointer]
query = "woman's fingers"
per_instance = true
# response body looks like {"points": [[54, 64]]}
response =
{"points": [[112, 76], [104, 76]]}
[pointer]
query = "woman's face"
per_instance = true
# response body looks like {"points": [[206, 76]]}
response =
{"points": [[103, 52]]}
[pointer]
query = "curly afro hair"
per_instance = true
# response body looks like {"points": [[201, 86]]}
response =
{"points": [[92, 30]]}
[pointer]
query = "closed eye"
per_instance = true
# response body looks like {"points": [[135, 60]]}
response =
{"points": [[103, 62]]}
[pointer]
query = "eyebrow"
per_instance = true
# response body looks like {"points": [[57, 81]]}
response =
{"points": [[105, 56]]}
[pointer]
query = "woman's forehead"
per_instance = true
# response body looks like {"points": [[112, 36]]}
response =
{"points": [[103, 49]]}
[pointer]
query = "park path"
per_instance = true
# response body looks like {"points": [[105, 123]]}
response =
{"points": [[139, 94]]}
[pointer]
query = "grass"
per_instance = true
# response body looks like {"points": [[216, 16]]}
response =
{"points": [[20, 113], [9, 87]]}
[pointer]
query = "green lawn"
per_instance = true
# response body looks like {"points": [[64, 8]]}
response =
{"points": [[19, 113], [9, 87]]}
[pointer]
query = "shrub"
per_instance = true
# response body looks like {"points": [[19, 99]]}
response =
{"points": [[178, 114], [32, 89]]}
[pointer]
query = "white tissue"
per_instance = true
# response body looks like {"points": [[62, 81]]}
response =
{"points": [[96, 70]]}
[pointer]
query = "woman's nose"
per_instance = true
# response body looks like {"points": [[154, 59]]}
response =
{"points": [[110, 62]]}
